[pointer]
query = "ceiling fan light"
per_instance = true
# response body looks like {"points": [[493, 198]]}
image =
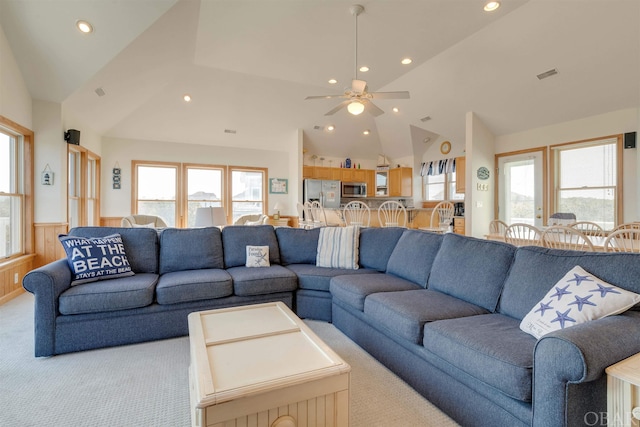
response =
{"points": [[355, 108]]}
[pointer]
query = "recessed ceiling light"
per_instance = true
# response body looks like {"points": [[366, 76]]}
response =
{"points": [[84, 26], [406, 61], [333, 81], [187, 98], [364, 69], [396, 109], [366, 132], [331, 128], [491, 6]]}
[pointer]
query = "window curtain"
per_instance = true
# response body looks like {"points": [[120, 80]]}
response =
{"points": [[438, 167]]}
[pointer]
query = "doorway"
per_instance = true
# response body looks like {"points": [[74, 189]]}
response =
{"points": [[521, 187]]}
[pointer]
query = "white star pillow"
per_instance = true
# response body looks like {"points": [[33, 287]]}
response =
{"points": [[577, 298]]}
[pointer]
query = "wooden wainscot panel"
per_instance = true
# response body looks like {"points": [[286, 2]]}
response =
{"points": [[111, 221], [48, 247], [11, 275]]}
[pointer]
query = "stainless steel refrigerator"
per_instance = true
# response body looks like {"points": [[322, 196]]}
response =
{"points": [[327, 192]]}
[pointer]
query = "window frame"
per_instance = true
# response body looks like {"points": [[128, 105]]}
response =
{"points": [[449, 186], [82, 183], [265, 197], [591, 142], [24, 173]]}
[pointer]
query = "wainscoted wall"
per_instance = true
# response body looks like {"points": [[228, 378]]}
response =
{"points": [[111, 221], [11, 274], [47, 246]]}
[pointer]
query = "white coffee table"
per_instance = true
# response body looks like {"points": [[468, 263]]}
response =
{"points": [[260, 365]]}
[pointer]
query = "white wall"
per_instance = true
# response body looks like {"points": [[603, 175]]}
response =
{"points": [[15, 100], [50, 148], [612, 123], [115, 203], [89, 138], [480, 149]]}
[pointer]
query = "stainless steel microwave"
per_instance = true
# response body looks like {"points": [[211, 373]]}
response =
{"points": [[354, 189]]}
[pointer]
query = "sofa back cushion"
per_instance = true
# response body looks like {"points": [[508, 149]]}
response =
{"points": [[473, 270], [236, 238], [297, 245], [536, 270], [190, 249], [140, 244], [376, 245], [413, 256]]}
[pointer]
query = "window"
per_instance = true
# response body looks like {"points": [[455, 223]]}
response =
{"points": [[83, 190], [587, 177], [16, 189], [204, 188], [248, 190], [158, 191], [440, 187]]}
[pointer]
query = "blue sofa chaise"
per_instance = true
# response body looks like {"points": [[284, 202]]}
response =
{"points": [[441, 311]]}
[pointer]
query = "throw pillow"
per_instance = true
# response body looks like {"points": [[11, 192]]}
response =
{"points": [[95, 258], [338, 247], [258, 256], [577, 298]]}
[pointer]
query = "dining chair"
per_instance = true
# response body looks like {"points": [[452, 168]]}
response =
{"points": [[520, 234], [392, 214], [357, 213], [627, 226], [589, 228], [623, 240], [302, 221], [563, 237], [497, 227], [441, 217], [318, 214]]}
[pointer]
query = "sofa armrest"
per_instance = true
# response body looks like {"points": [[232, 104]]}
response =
{"points": [[46, 284], [569, 368]]}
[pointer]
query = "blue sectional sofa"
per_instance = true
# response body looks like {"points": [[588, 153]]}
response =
{"points": [[441, 311]]}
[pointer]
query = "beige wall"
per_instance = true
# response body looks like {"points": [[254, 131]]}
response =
{"points": [[15, 100]]}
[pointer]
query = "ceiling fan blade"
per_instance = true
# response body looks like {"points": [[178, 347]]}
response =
{"points": [[358, 86], [338, 108], [325, 96], [372, 108], [390, 95]]}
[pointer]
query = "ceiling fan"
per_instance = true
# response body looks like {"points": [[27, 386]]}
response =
{"points": [[357, 97]]}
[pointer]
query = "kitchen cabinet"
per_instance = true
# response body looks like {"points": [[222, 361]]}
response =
{"points": [[307, 172], [461, 163], [370, 179], [401, 182], [458, 225]]}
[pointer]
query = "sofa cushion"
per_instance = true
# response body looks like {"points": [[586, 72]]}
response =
{"points": [[297, 245], [193, 285], [236, 238], [489, 347], [338, 247], [411, 264], [535, 270], [140, 244], [109, 295], [577, 298], [318, 278], [376, 245], [190, 249], [405, 313], [471, 269], [95, 258], [353, 289], [259, 281]]}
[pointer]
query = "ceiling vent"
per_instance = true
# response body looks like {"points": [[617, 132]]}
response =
{"points": [[316, 127], [100, 92], [546, 74], [425, 119], [233, 131]]}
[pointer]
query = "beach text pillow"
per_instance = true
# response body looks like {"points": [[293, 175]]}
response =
{"points": [[257, 256], [577, 298], [338, 247], [95, 258]]}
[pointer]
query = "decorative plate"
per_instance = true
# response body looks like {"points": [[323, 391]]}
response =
{"points": [[445, 147], [483, 173]]}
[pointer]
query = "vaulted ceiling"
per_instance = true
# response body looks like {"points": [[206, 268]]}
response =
{"points": [[248, 65]]}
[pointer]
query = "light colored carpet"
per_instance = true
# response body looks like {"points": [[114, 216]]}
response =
{"points": [[147, 384]]}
